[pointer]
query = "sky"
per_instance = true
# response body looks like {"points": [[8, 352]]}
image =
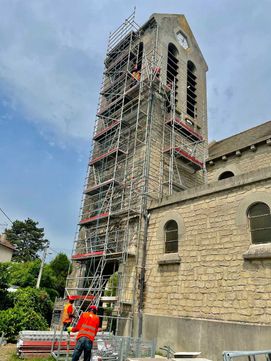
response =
{"points": [[51, 63]]}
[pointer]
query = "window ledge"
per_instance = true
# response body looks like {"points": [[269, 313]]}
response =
{"points": [[258, 251], [169, 258]]}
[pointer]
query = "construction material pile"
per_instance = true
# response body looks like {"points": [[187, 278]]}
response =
{"points": [[59, 344], [32, 343]]}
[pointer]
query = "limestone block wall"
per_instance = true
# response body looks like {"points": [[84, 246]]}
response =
{"points": [[248, 161], [212, 281], [168, 27]]}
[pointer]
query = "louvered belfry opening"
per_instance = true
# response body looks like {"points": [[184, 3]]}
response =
{"points": [[191, 90]]}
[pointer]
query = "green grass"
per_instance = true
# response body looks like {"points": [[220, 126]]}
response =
{"points": [[14, 357]]}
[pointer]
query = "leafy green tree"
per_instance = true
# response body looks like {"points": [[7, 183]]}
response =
{"points": [[32, 310], [16, 319], [27, 238], [36, 299], [112, 285], [60, 266], [23, 274], [3, 276], [5, 301]]}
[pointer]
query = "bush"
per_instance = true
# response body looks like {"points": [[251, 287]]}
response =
{"points": [[36, 299], [16, 319], [32, 311], [23, 274]]}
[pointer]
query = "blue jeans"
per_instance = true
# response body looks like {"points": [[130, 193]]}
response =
{"points": [[82, 344]]}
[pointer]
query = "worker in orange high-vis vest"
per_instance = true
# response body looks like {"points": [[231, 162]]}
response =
{"points": [[87, 328], [68, 314]]}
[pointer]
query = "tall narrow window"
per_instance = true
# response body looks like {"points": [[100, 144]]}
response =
{"points": [[172, 69], [191, 89], [171, 237], [140, 56], [260, 223]]}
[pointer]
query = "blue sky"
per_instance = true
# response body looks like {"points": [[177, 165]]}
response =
{"points": [[51, 63]]}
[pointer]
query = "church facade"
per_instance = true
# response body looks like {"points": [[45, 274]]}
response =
{"points": [[212, 292], [186, 227]]}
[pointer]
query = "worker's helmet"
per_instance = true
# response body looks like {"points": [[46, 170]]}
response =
{"points": [[93, 308]]}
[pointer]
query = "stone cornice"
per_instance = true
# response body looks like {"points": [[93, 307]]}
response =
{"points": [[247, 147], [215, 187]]}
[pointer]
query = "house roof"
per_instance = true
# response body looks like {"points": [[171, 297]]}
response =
{"points": [[240, 141], [4, 242]]}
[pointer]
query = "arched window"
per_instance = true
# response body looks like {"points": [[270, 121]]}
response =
{"points": [[260, 222], [191, 89], [171, 237], [225, 175]]}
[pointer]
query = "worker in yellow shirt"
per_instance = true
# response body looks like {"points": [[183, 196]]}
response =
{"points": [[68, 314]]}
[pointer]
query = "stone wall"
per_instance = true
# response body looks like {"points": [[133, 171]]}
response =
{"points": [[212, 281]]}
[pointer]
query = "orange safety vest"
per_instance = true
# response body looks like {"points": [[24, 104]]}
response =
{"points": [[87, 326], [136, 75], [68, 310]]}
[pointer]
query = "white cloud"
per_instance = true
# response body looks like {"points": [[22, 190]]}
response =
{"points": [[52, 61], [49, 64]]}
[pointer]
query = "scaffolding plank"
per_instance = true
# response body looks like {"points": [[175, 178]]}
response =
{"points": [[104, 132], [111, 152], [40, 343], [185, 129], [94, 218], [121, 56], [195, 163], [82, 297], [95, 189], [83, 256], [128, 94], [120, 44], [110, 84], [124, 211]]}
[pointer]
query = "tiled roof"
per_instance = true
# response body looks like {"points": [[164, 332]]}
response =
{"points": [[240, 141]]}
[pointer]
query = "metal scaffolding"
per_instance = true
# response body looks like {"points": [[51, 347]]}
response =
{"points": [[138, 153]]}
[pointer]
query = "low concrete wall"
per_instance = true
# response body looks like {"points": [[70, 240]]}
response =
{"points": [[209, 337]]}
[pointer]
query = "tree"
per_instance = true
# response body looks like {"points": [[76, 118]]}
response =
{"points": [[26, 274], [60, 266], [36, 299], [27, 238], [112, 285], [16, 319], [5, 301], [32, 310]]}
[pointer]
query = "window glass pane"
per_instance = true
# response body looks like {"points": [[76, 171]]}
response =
{"points": [[260, 223], [171, 247], [171, 225], [263, 236], [171, 237], [258, 209]]}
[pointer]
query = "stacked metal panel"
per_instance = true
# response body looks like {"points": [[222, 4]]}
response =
{"points": [[43, 342]]}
